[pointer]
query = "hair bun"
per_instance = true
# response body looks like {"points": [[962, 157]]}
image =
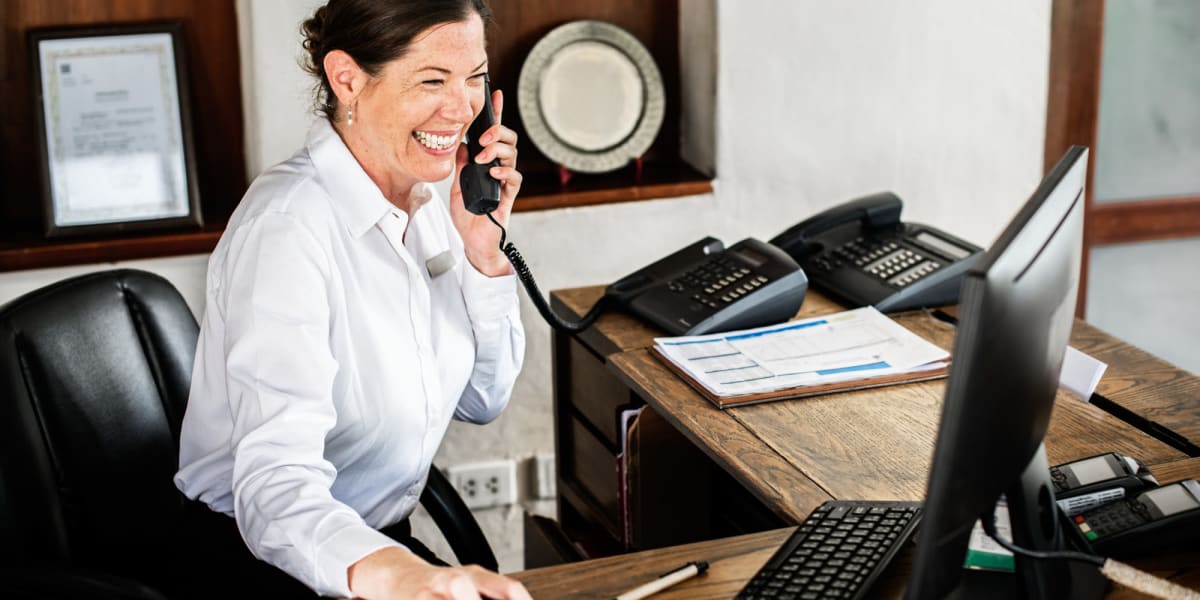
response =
{"points": [[313, 29]]}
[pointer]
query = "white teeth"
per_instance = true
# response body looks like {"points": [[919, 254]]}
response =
{"points": [[435, 142]]}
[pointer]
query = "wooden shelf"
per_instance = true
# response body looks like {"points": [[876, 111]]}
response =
{"points": [[17, 253], [543, 190], [20, 251]]}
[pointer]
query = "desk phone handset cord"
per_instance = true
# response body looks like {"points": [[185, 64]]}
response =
{"points": [[535, 295]]}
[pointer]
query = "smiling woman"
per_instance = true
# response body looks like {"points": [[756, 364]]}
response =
{"points": [[333, 355]]}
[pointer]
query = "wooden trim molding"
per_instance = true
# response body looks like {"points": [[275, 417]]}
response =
{"points": [[1164, 218], [1073, 100], [37, 254]]}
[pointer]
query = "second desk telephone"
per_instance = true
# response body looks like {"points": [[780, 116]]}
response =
{"points": [[861, 254]]}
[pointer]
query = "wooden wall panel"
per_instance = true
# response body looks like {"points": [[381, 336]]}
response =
{"points": [[519, 24], [213, 67], [210, 30]]}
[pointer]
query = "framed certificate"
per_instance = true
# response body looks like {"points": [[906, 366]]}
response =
{"points": [[114, 129]]}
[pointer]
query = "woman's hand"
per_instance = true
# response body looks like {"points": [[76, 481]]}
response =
{"points": [[481, 239], [397, 573]]}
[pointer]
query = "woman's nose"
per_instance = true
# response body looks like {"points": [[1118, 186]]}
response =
{"points": [[459, 106]]}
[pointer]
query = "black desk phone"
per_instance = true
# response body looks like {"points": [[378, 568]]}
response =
{"points": [[706, 288], [861, 254]]}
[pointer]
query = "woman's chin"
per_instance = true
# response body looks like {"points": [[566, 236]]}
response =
{"points": [[432, 173]]}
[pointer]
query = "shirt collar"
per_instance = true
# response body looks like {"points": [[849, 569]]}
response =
{"points": [[357, 200]]}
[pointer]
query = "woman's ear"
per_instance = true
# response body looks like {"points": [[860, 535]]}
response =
{"points": [[346, 78]]}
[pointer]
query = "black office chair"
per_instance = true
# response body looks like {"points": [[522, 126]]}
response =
{"points": [[94, 377]]}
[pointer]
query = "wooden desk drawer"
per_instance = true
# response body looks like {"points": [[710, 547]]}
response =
{"points": [[593, 468], [596, 394]]}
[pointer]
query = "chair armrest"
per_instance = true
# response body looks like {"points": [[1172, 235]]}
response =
{"points": [[456, 522]]}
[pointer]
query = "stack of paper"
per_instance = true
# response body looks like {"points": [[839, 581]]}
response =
{"points": [[849, 350]]}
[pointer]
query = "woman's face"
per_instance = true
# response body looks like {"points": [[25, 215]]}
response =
{"points": [[412, 116]]}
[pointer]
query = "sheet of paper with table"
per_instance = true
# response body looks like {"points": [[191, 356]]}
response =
{"points": [[850, 350]]}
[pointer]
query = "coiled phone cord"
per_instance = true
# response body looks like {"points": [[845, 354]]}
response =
{"points": [[535, 295]]}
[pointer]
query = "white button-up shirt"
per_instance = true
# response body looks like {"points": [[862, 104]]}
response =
{"points": [[331, 361]]}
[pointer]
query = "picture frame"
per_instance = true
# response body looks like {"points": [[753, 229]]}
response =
{"points": [[114, 129]]}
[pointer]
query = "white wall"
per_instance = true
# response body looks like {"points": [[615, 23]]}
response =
{"points": [[815, 102], [185, 272]]}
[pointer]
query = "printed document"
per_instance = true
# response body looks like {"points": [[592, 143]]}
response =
{"points": [[848, 346]]}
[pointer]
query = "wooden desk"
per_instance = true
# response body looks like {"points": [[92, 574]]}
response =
{"points": [[789, 456], [732, 561]]}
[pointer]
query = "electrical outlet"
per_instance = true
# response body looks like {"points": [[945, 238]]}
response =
{"points": [[485, 484], [544, 476]]}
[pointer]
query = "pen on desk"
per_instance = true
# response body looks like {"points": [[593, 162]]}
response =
{"points": [[682, 573]]}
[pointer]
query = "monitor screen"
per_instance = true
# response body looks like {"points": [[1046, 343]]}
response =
{"points": [[1017, 308]]}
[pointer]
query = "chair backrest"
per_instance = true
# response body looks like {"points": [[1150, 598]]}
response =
{"points": [[94, 376]]}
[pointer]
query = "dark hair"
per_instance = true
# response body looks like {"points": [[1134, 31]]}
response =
{"points": [[374, 32]]}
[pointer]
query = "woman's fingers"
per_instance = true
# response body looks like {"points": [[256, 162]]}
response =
{"points": [[505, 151], [510, 182], [494, 585], [497, 105]]}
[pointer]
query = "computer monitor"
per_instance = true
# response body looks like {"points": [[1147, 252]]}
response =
{"points": [[1017, 307]]}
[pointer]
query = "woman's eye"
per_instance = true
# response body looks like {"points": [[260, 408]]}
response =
{"points": [[432, 82]]}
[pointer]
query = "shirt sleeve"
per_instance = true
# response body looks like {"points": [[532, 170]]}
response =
{"points": [[499, 344], [280, 372]]}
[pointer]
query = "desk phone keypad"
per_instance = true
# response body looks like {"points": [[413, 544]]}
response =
{"points": [[896, 265], [837, 552], [718, 282]]}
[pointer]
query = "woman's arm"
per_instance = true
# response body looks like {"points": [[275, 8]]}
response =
{"points": [[280, 373]]}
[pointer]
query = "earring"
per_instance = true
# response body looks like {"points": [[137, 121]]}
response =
{"points": [[350, 116]]}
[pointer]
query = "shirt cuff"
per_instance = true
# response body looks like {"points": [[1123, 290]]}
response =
{"points": [[343, 549], [489, 298]]}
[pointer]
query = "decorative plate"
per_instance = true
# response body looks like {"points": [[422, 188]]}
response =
{"points": [[591, 96]]}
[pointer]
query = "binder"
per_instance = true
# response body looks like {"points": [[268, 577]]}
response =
{"points": [[845, 351]]}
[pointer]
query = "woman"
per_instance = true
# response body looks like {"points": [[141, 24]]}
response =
{"points": [[351, 315]]}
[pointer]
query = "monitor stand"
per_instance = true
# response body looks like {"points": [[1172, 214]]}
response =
{"points": [[1036, 525], [1086, 583]]}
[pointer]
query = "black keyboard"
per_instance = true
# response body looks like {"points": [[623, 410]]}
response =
{"points": [[837, 552]]}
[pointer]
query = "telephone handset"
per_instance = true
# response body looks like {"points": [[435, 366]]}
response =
{"points": [[706, 288], [861, 254], [481, 192], [702, 288]]}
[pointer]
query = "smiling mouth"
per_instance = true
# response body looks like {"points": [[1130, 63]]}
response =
{"points": [[435, 142]]}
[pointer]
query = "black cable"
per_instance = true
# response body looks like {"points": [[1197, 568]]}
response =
{"points": [[989, 527], [526, 277]]}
